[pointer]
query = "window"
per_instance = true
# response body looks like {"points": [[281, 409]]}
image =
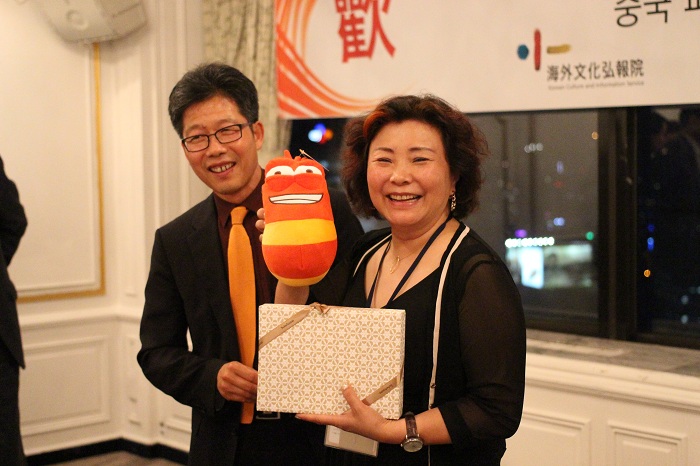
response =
{"points": [[593, 211], [539, 210], [668, 222], [322, 139]]}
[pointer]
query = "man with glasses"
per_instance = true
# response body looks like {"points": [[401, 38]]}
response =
{"points": [[214, 109]]}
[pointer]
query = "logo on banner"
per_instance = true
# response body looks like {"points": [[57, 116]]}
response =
{"points": [[524, 51], [582, 75]]}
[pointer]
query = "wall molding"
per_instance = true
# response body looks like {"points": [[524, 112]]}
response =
{"points": [[84, 401], [560, 431], [648, 387], [634, 444]]}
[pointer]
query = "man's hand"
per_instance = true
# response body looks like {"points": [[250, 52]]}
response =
{"points": [[237, 382]]}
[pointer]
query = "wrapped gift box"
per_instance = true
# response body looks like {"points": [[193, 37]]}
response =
{"points": [[309, 352]]}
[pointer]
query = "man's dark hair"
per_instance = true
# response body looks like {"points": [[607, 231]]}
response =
{"points": [[208, 80]]}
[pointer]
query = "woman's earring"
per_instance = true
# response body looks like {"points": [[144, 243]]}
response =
{"points": [[453, 201]]}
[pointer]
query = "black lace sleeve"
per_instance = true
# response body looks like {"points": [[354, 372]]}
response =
{"points": [[493, 348]]}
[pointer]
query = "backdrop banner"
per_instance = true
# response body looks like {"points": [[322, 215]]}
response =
{"points": [[339, 58]]}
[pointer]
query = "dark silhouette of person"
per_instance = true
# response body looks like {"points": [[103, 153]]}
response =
{"points": [[13, 223]]}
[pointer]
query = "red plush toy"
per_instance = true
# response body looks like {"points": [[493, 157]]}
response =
{"points": [[299, 242]]}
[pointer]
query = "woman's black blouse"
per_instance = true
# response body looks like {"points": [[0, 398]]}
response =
{"points": [[480, 377]]}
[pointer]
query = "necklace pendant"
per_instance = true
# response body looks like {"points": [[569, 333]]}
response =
{"points": [[396, 264]]}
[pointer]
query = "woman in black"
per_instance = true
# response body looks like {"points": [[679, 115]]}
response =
{"points": [[415, 162]]}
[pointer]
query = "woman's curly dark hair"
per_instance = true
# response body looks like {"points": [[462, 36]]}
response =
{"points": [[465, 148]]}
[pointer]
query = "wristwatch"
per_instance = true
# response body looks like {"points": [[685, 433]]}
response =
{"points": [[412, 442]]}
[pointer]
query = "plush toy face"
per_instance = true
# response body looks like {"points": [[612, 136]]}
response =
{"points": [[299, 242], [298, 183]]}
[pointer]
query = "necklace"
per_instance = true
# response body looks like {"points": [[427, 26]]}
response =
{"points": [[370, 296], [396, 264], [398, 259]]}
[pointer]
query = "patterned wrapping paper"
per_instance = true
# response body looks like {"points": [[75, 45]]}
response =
{"points": [[304, 363]]}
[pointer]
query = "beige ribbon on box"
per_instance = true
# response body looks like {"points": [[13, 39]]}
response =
{"points": [[384, 389], [291, 322], [323, 310]]}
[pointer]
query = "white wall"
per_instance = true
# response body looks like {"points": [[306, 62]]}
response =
{"points": [[82, 290], [82, 384]]}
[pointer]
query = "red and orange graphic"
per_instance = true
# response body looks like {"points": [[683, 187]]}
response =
{"points": [[301, 93]]}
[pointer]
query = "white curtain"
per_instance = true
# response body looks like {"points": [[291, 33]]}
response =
{"points": [[242, 34]]}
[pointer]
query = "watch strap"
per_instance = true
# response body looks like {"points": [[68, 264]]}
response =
{"points": [[412, 442], [411, 427]]}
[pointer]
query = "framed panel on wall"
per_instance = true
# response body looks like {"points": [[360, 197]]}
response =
{"points": [[51, 145]]}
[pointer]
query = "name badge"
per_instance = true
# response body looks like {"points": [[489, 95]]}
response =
{"points": [[338, 438]]}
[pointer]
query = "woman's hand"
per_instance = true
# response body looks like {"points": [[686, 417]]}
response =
{"points": [[286, 294], [361, 419]]}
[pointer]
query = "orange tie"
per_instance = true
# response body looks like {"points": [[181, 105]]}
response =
{"points": [[241, 279]]}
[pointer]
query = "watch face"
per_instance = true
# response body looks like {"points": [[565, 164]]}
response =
{"points": [[412, 444]]}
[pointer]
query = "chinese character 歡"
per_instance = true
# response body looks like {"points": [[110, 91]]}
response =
{"points": [[359, 27]]}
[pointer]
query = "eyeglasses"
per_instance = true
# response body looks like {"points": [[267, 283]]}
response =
{"points": [[225, 135]]}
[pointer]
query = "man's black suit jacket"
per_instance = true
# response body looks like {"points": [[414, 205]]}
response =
{"points": [[188, 289], [13, 223]]}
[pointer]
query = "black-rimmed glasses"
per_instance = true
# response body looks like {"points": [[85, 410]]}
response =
{"points": [[225, 135]]}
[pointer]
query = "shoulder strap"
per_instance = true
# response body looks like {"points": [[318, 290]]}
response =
{"points": [[369, 251], [438, 308]]}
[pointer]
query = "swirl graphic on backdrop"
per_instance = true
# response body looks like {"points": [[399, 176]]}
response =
{"points": [[301, 93]]}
